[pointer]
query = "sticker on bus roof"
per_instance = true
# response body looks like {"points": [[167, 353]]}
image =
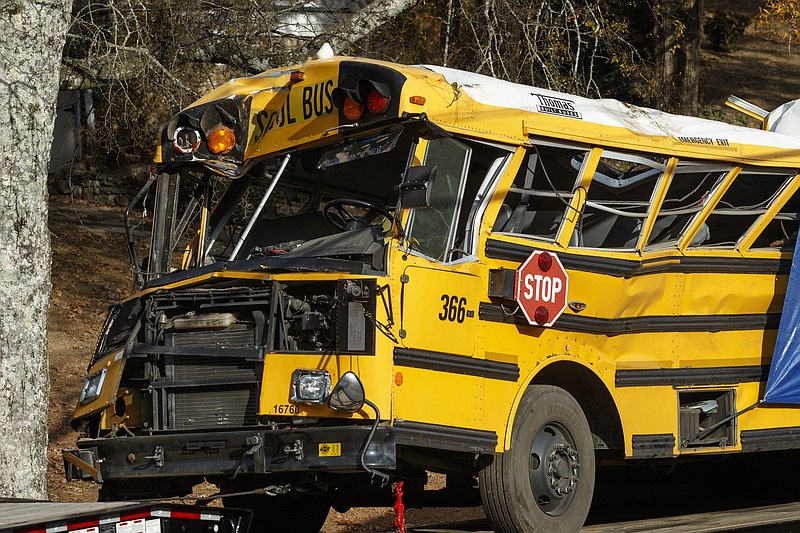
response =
{"points": [[556, 106]]}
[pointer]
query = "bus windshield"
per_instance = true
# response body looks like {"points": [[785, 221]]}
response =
{"points": [[333, 200]]}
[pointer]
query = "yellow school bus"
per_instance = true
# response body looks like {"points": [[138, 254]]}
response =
{"points": [[361, 271]]}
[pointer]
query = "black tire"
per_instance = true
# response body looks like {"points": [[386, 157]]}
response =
{"points": [[281, 514], [545, 481]]}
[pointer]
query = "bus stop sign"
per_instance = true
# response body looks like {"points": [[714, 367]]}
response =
{"points": [[541, 288]]}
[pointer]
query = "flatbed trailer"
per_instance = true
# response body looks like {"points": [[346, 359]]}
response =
{"points": [[24, 516]]}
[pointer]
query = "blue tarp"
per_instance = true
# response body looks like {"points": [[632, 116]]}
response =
{"points": [[783, 384]]}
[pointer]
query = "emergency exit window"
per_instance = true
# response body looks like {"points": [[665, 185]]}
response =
{"points": [[618, 200]]}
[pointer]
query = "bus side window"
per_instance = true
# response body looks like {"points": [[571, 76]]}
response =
{"points": [[432, 230], [538, 198], [748, 197], [618, 200], [443, 231], [690, 187], [781, 231]]}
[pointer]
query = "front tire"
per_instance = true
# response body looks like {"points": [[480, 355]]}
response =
{"points": [[545, 481]]}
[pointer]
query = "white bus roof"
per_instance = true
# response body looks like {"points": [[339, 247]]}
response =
{"points": [[610, 112]]}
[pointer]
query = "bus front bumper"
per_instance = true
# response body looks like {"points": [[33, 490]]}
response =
{"points": [[231, 453]]}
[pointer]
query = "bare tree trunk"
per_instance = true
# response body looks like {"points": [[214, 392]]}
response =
{"points": [[31, 42], [362, 23], [677, 32]]}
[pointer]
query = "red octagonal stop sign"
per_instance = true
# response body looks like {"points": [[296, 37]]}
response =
{"points": [[541, 288]]}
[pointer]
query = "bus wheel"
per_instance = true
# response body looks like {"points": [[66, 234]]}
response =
{"points": [[279, 514], [544, 483]]}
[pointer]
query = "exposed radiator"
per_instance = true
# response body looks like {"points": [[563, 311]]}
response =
{"points": [[207, 375], [236, 336], [209, 392], [210, 409], [221, 369]]}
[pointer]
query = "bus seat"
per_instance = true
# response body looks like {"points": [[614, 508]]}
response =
{"points": [[540, 223], [669, 227], [502, 218], [611, 231], [595, 230], [662, 224], [544, 223]]}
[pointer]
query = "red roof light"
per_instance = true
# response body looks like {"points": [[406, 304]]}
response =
{"points": [[376, 102], [545, 261]]}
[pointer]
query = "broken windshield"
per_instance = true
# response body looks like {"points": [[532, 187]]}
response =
{"points": [[358, 150], [306, 196]]}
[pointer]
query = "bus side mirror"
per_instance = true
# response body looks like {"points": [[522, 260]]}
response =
{"points": [[348, 395], [415, 191]]}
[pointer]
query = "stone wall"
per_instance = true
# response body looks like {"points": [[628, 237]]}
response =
{"points": [[112, 187]]}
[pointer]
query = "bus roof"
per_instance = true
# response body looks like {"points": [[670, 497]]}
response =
{"points": [[612, 113]]}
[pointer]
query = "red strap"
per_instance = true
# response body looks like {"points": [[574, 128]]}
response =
{"points": [[399, 509]]}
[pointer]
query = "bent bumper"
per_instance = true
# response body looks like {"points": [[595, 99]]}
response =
{"points": [[231, 453]]}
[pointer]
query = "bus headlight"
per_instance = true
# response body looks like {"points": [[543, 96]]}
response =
{"points": [[186, 140], [310, 386], [348, 394], [92, 387]]}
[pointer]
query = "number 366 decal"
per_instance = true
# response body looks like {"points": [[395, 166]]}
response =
{"points": [[454, 309]]}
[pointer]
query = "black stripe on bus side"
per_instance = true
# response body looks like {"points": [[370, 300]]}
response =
{"points": [[457, 364], [639, 324], [764, 440], [626, 268], [456, 439], [654, 445], [686, 377], [519, 253]]}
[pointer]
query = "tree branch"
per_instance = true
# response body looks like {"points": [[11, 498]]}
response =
{"points": [[362, 23]]}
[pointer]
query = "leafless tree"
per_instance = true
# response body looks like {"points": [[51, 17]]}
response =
{"points": [[575, 46], [31, 40]]}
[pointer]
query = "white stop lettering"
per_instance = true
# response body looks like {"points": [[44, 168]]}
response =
{"points": [[541, 288]]}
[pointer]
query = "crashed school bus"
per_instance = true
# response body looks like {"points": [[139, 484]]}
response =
{"points": [[362, 271]]}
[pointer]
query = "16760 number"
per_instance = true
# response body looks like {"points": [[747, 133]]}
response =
{"points": [[286, 409]]}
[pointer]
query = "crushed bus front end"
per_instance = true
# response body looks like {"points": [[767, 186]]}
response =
{"points": [[257, 354], [184, 369]]}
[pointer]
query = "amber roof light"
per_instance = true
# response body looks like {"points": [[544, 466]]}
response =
{"points": [[221, 140]]}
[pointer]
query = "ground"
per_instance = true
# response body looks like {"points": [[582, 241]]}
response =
{"points": [[90, 271], [761, 69], [91, 267]]}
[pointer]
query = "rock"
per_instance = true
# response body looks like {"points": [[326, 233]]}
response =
{"points": [[63, 186]]}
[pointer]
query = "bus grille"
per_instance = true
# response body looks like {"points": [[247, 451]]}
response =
{"points": [[210, 409], [209, 392], [236, 336], [207, 377], [220, 369]]}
